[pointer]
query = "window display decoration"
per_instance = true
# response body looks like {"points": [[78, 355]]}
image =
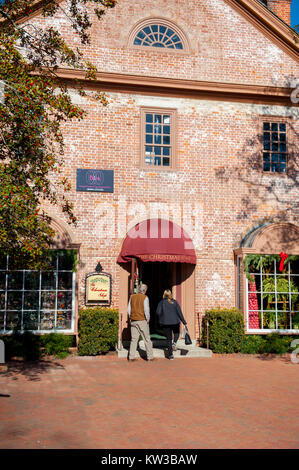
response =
{"points": [[39, 300], [283, 257], [272, 292], [261, 261]]}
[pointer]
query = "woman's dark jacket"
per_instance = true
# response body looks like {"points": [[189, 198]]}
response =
{"points": [[169, 313]]}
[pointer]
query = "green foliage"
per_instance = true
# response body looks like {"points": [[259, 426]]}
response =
{"points": [[266, 262], [252, 344], [273, 343], [70, 258], [282, 286], [255, 262], [226, 335], [295, 321], [98, 330], [34, 105], [57, 344], [225, 330], [25, 345], [276, 344], [32, 347]]}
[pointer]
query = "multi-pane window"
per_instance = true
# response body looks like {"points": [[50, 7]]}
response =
{"points": [[158, 35], [38, 300], [158, 138], [273, 297], [275, 147]]}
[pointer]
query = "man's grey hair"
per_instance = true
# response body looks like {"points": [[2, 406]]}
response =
{"points": [[143, 288]]}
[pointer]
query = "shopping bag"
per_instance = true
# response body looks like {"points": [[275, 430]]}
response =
{"points": [[187, 339]]}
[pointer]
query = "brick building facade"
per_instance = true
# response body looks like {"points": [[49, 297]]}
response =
{"points": [[201, 131]]}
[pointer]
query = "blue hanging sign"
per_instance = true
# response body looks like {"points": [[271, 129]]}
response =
{"points": [[95, 180]]}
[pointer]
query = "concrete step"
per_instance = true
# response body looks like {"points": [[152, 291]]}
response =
{"points": [[159, 350]]}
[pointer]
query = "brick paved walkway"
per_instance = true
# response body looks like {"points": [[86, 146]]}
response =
{"points": [[105, 402]]}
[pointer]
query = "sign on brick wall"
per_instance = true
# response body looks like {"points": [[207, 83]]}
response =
{"points": [[98, 289], [95, 180]]}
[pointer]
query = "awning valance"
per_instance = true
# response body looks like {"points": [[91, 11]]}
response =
{"points": [[158, 240]]}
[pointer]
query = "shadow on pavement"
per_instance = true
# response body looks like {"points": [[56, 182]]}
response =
{"points": [[286, 358], [30, 369]]}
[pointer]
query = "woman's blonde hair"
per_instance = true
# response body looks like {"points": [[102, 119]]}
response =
{"points": [[168, 295]]}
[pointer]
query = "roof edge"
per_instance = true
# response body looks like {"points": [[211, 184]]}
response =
{"points": [[270, 24]]}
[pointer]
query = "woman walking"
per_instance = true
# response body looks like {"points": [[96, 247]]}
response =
{"points": [[170, 316]]}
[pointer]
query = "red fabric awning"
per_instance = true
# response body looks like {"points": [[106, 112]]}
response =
{"points": [[158, 240]]}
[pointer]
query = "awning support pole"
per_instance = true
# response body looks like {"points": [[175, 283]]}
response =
{"points": [[132, 276]]}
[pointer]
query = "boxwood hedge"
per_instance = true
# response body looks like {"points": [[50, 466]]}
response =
{"points": [[98, 330], [226, 334], [225, 330]]}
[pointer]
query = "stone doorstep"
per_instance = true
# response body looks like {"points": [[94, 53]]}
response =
{"points": [[159, 347]]}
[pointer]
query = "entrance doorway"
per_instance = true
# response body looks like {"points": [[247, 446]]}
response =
{"points": [[158, 276], [160, 254]]}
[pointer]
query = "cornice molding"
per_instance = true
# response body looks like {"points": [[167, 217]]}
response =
{"points": [[160, 86]]}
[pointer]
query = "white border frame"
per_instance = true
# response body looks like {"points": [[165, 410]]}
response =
{"points": [[39, 331]]}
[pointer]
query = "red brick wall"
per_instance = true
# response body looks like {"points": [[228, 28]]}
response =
{"points": [[224, 46], [217, 143], [281, 8]]}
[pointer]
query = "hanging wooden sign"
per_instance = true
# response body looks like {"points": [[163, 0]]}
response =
{"points": [[98, 289]]}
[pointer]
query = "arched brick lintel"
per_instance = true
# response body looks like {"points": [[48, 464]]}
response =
{"points": [[277, 237], [64, 236], [272, 238]]}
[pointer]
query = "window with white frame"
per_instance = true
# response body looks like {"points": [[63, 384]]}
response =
{"points": [[272, 293], [158, 35], [38, 301], [158, 137]]}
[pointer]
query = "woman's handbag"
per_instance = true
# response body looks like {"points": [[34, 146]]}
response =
{"points": [[186, 335]]}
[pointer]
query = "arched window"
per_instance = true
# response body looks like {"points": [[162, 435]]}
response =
{"points": [[158, 33], [268, 278]]}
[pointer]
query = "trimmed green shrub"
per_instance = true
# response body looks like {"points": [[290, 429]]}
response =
{"points": [[252, 344], [57, 344], [226, 330], [25, 345], [98, 330], [31, 347], [276, 344]]}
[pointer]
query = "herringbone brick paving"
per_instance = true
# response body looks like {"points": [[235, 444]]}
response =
{"points": [[104, 402]]}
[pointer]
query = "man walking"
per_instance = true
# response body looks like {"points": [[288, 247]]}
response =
{"points": [[139, 314]]}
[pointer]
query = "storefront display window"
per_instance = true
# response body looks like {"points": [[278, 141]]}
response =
{"points": [[272, 292], [38, 300]]}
